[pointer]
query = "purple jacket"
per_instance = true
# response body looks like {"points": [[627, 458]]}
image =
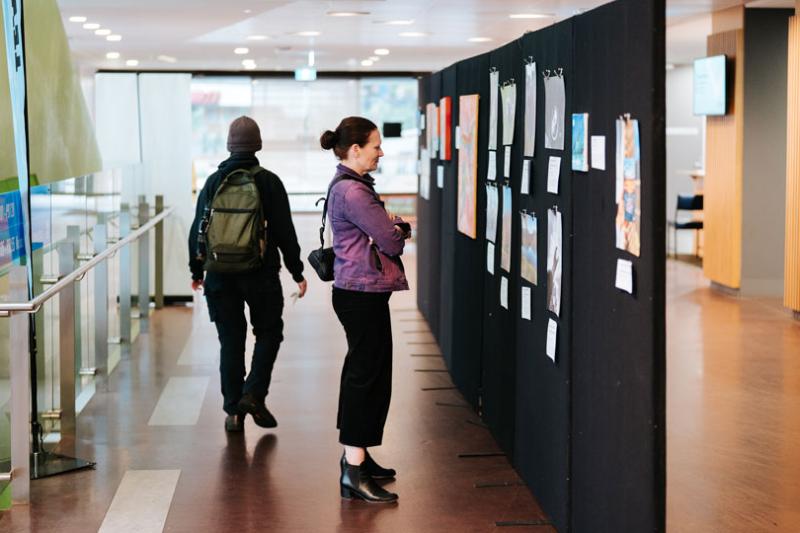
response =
{"points": [[366, 241]]}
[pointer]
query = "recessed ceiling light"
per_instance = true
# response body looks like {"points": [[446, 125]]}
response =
{"points": [[91, 26], [401, 22], [257, 37], [132, 62], [77, 19], [374, 58], [241, 51], [309, 33], [347, 13], [480, 39], [102, 32], [246, 62], [381, 52], [250, 66], [529, 16], [114, 38], [412, 34], [112, 55], [366, 63], [248, 11], [167, 59]]}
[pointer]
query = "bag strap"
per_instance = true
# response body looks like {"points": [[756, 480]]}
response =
{"points": [[336, 180]]}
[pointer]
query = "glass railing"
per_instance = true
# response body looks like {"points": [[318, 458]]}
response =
{"points": [[72, 221]]}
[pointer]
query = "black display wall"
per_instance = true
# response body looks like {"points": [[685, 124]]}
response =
{"points": [[586, 432]]}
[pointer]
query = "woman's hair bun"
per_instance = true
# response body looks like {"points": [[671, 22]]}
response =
{"points": [[328, 140]]}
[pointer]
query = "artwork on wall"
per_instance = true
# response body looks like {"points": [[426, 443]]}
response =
{"points": [[530, 109], [445, 121], [492, 204], [555, 104], [505, 249], [554, 259], [628, 193], [432, 132], [529, 258], [494, 82], [468, 164], [424, 174], [580, 142], [508, 97]]}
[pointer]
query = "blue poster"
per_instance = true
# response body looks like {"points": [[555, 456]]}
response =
{"points": [[580, 145]]}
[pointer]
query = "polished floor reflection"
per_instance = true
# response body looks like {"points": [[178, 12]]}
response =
{"points": [[733, 410], [160, 418]]}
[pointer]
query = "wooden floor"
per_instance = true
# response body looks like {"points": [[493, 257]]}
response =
{"points": [[733, 410], [286, 479]]}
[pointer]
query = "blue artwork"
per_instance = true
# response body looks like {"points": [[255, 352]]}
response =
{"points": [[580, 142]]}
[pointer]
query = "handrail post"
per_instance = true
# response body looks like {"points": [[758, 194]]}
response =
{"points": [[20, 377], [74, 236], [159, 262], [101, 300], [144, 268], [125, 276], [66, 341]]}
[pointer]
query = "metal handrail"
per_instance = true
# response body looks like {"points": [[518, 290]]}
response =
{"points": [[32, 306]]}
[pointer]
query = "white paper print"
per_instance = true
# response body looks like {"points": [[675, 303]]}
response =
{"points": [[490, 258], [507, 163], [492, 204], [492, 170], [530, 109], [424, 174], [525, 184], [508, 95], [599, 152], [526, 303], [552, 336], [554, 260], [624, 279], [494, 81], [553, 174], [504, 292], [555, 104]]}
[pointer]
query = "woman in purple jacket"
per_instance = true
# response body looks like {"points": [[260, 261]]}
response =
{"points": [[368, 243]]}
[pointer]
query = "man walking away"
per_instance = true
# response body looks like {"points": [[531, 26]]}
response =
{"points": [[241, 221]]}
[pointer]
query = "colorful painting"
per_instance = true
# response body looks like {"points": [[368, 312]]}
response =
{"points": [[508, 96], [580, 142], [494, 83], [530, 109], [492, 204], [445, 120], [554, 255], [432, 131], [529, 259], [555, 103], [629, 208], [505, 249], [468, 164]]}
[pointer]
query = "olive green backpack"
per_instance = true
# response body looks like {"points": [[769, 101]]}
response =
{"points": [[236, 231]]}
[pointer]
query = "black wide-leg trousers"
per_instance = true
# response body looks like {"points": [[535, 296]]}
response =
{"points": [[366, 383]]}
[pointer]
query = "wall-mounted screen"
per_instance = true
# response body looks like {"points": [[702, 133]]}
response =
{"points": [[710, 86]]}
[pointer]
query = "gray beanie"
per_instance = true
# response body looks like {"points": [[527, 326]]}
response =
{"points": [[244, 135]]}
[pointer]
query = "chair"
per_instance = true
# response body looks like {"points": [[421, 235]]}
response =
{"points": [[687, 203]]}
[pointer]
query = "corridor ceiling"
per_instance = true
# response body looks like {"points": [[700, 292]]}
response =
{"points": [[419, 35]]}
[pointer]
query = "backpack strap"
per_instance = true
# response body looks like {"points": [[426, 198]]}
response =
{"points": [[336, 180]]}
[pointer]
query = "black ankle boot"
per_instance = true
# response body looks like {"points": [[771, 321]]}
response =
{"points": [[375, 470], [357, 483]]}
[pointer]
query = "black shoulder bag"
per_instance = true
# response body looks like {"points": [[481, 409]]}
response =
{"points": [[321, 259]]}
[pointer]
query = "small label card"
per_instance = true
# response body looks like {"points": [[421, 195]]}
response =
{"points": [[504, 292], [599, 152], [526, 303], [492, 176], [624, 275], [507, 163], [490, 258], [526, 175], [552, 335], [553, 173], [440, 176]]}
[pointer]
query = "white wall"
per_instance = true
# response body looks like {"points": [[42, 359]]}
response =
{"points": [[144, 125], [685, 144]]}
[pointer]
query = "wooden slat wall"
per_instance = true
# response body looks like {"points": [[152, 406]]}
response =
{"points": [[791, 291], [722, 262]]}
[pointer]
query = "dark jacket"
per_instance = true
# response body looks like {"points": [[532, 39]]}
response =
{"points": [[280, 229]]}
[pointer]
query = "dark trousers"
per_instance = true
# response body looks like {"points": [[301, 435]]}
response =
{"points": [[366, 384], [264, 298]]}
